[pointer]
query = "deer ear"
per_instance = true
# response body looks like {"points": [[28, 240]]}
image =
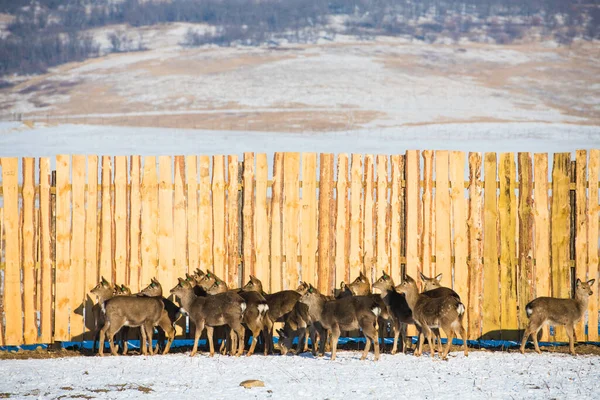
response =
{"points": [[423, 277], [438, 278], [342, 285], [578, 282], [591, 282]]}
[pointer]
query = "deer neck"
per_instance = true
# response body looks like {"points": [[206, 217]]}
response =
{"points": [[582, 300], [412, 295], [187, 299], [315, 307]]}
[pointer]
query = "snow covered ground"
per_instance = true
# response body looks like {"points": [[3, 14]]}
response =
{"points": [[481, 375], [18, 140]]}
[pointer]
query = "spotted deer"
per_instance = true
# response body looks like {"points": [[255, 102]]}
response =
{"points": [[433, 312], [398, 309], [211, 311], [565, 312], [348, 313]]}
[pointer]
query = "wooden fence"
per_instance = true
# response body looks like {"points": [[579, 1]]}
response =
{"points": [[500, 237]]}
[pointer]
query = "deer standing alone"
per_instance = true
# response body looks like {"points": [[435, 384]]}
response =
{"points": [[445, 312], [565, 312]]}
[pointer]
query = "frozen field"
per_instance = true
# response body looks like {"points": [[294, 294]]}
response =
{"points": [[177, 376], [18, 140]]}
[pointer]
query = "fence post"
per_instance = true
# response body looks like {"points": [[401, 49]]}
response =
{"points": [[240, 224], [53, 249]]}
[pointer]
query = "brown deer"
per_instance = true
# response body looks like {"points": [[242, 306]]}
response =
{"points": [[565, 312], [255, 318], [348, 313], [445, 312], [280, 303], [433, 288], [210, 311], [397, 307], [130, 311], [296, 324], [170, 315]]}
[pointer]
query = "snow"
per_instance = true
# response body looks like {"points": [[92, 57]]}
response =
{"points": [[481, 375], [17, 140]]}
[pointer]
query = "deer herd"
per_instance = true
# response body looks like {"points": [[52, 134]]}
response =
{"points": [[304, 312]]}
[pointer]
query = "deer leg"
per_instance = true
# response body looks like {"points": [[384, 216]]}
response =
{"points": [[397, 329], [419, 349], [306, 334], [199, 329], [403, 327], [335, 335], [241, 335], [124, 335], [571, 334], [526, 334], [463, 336], [101, 339], [211, 346], [255, 333], [450, 333]]}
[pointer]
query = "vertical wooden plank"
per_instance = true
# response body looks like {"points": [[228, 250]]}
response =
{"points": [[63, 285], [276, 228], [541, 231], [205, 224], [428, 237], [525, 265], [46, 259], [325, 222], [218, 195], [165, 221], [106, 252], [382, 240], [78, 249], [413, 213], [149, 221], [491, 271], [191, 165], [356, 216], [342, 272], [261, 228], [395, 223], [368, 220], [560, 231], [28, 251], [13, 305], [443, 250], [308, 239], [91, 243], [291, 207], [581, 227], [592, 237], [475, 246], [459, 225], [135, 216], [120, 223], [508, 246], [248, 211], [180, 220], [233, 250]]}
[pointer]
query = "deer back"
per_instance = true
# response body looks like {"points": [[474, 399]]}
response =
{"points": [[134, 310], [281, 303]]}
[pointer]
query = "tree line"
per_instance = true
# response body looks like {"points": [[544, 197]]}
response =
{"points": [[45, 33]]}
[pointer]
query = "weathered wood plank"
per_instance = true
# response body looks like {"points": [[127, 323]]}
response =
{"points": [[560, 231], [120, 222], [395, 220], [475, 232], [508, 215], [135, 216], [291, 207], [368, 220], [47, 273], [525, 266], [261, 227], [248, 212], [581, 227], [218, 194], [78, 248], [205, 221], [413, 227], [592, 237], [150, 221], [28, 250], [276, 224], [443, 249], [459, 226], [165, 221], [491, 270], [193, 243], [356, 253], [233, 251], [106, 252], [180, 220], [381, 237], [342, 271], [428, 236], [308, 239], [63, 284], [325, 261], [542, 231]]}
